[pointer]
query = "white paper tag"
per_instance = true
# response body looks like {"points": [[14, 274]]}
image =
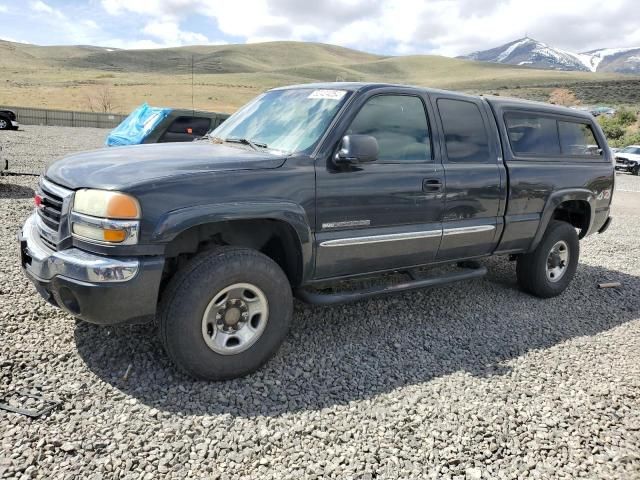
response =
{"points": [[328, 94]]}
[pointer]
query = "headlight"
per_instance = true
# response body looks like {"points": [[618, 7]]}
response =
{"points": [[105, 204], [105, 217]]}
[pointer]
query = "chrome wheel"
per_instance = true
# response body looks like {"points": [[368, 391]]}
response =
{"points": [[3, 124], [557, 261], [235, 318]]}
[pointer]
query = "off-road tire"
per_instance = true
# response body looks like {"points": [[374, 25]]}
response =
{"points": [[531, 268], [188, 294]]}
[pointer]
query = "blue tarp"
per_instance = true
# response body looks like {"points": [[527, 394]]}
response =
{"points": [[135, 128]]}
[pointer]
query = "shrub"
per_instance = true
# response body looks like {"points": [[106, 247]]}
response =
{"points": [[563, 96], [631, 138], [611, 128], [626, 140], [625, 117]]}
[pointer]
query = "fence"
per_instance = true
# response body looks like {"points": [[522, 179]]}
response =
{"points": [[65, 118]]}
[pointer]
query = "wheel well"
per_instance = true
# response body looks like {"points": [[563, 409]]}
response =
{"points": [[275, 238], [576, 213]]}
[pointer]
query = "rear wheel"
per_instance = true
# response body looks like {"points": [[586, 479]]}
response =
{"points": [[548, 270], [4, 124], [636, 170], [225, 314]]}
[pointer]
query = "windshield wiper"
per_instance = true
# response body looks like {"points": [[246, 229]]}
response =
{"points": [[246, 141]]}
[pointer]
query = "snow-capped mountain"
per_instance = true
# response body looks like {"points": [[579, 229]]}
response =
{"points": [[620, 60], [532, 53]]}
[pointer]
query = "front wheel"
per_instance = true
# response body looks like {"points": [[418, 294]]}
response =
{"points": [[4, 124], [225, 314], [548, 270], [636, 170]]}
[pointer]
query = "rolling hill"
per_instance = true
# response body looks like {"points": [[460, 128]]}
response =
{"points": [[226, 76]]}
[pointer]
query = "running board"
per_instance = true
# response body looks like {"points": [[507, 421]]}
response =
{"points": [[317, 298]]}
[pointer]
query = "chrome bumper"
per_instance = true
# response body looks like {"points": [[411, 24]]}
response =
{"points": [[44, 264]]}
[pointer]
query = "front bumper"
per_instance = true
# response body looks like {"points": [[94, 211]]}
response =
{"points": [[625, 166], [95, 288]]}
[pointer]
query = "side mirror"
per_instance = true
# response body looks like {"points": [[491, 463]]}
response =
{"points": [[357, 149]]}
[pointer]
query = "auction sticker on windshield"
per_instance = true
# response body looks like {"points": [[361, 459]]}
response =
{"points": [[328, 94]]}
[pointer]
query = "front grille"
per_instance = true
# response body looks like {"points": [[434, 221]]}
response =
{"points": [[51, 210], [51, 213]]}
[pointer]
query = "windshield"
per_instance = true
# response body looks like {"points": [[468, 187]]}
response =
{"points": [[635, 150], [284, 120]]}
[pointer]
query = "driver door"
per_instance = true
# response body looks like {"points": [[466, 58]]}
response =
{"points": [[386, 214]]}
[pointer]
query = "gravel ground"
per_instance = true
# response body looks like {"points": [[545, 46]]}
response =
{"points": [[477, 380]]}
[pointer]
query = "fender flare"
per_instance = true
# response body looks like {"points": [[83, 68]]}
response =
{"points": [[555, 199], [172, 223]]}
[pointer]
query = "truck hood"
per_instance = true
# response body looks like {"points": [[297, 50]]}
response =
{"points": [[119, 167]]}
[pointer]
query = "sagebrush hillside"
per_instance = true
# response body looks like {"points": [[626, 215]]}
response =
{"points": [[226, 76]]}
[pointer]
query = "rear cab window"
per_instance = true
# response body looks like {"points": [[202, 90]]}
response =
{"points": [[533, 134]]}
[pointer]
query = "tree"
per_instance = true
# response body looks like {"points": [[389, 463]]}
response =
{"points": [[101, 100]]}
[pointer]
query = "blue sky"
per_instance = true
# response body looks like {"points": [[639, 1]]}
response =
{"points": [[447, 27]]}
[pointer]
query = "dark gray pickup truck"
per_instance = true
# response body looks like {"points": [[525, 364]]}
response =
{"points": [[305, 186]]}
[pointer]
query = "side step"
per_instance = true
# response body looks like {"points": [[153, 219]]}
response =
{"points": [[317, 298]]}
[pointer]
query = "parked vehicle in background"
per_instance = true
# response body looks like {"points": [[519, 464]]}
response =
{"points": [[183, 125], [163, 125], [607, 111], [302, 188], [8, 120], [628, 159]]}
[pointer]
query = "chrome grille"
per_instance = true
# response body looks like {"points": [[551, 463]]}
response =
{"points": [[52, 212]]}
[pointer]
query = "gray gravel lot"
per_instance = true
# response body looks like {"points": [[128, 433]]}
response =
{"points": [[477, 380]]}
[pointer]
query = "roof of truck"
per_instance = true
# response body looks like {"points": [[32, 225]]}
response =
{"points": [[506, 102], [363, 86], [495, 101]]}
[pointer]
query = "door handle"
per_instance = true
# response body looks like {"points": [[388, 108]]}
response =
{"points": [[431, 185]]}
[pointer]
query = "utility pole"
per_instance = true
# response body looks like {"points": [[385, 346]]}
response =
{"points": [[192, 103]]}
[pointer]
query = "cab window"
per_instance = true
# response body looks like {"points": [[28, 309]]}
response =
{"points": [[399, 124]]}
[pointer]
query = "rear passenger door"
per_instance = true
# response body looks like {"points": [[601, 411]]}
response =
{"points": [[475, 177]]}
